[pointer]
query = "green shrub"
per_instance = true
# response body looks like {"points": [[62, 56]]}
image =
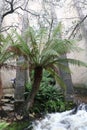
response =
{"points": [[48, 98]]}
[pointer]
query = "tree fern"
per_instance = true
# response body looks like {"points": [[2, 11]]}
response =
{"points": [[41, 53]]}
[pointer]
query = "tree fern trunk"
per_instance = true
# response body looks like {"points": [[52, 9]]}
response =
{"points": [[35, 86]]}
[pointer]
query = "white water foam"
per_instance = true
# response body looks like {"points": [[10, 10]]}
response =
{"points": [[64, 121]]}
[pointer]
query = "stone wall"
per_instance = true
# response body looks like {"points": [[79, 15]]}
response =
{"points": [[7, 75], [79, 74]]}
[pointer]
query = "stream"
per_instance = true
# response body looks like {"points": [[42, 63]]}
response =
{"points": [[75, 119]]}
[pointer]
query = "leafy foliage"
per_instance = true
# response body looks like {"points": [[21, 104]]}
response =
{"points": [[41, 51], [49, 98], [17, 125], [4, 52], [3, 125]]}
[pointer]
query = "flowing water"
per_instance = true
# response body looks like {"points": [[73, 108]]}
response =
{"points": [[69, 120]]}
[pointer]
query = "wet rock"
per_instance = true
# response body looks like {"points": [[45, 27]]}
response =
{"points": [[66, 124]]}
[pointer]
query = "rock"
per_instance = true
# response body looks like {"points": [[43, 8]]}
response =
{"points": [[9, 95], [8, 107], [5, 100]]}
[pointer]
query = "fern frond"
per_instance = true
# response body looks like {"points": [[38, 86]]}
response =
{"points": [[58, 78], [57, 31], [72, 61]]}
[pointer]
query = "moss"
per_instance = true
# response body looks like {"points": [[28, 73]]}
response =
{"points": [[70, 105]]}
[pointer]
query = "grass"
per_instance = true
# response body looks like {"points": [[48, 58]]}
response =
{"points": [[20, 125], [3, 125]]}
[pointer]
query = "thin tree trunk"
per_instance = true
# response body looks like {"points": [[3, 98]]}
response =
{"points": [[35, 86]]}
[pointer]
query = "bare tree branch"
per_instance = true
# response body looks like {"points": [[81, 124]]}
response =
{"points": [[11, 9], [6, 28], [77, 25], [33, 13], [51, 25]]}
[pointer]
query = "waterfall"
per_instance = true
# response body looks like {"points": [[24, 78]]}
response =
{"points": [[75, 119]]}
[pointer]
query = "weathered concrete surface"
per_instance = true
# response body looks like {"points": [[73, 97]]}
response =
{"points": [[79, 74], [7, 75]]}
